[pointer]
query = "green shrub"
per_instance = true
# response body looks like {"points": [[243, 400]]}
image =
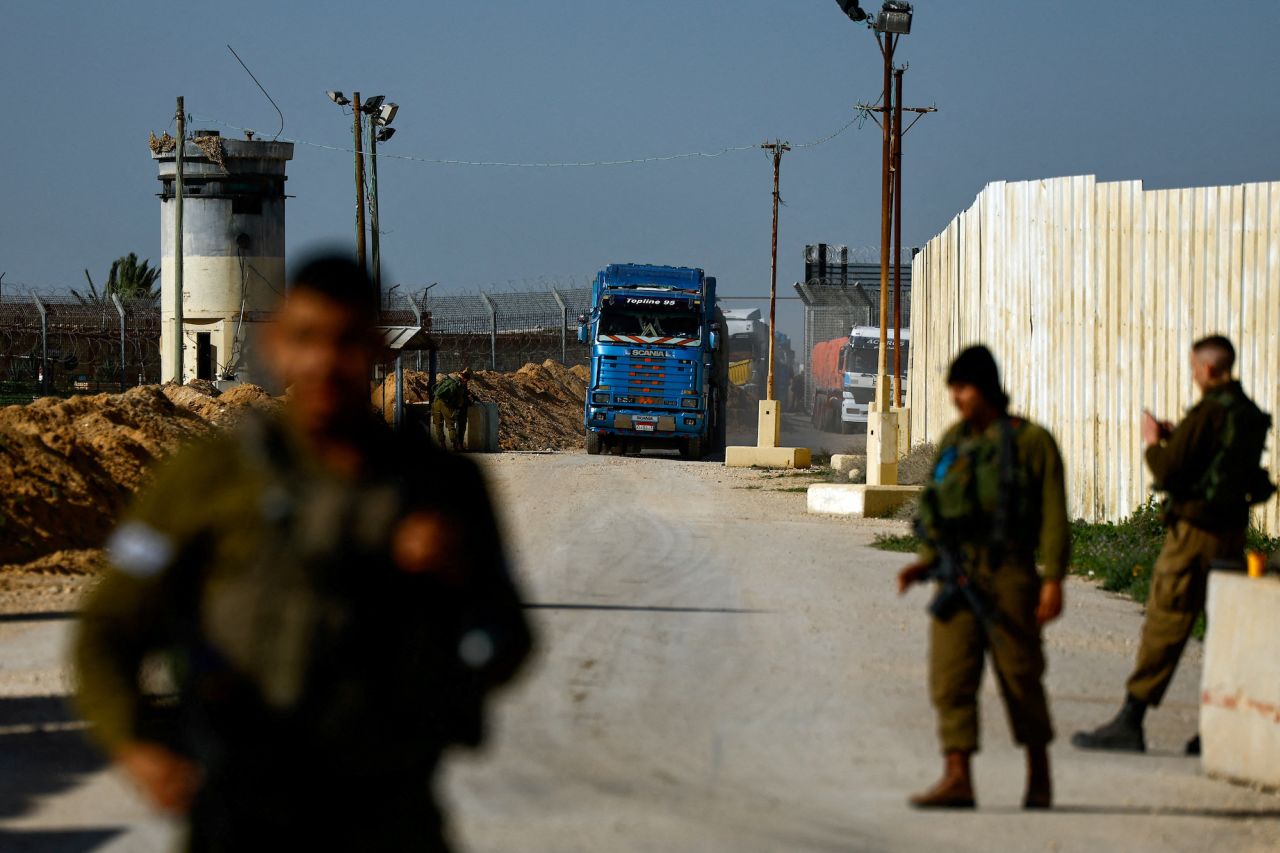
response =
{"points": [[905, 543]]}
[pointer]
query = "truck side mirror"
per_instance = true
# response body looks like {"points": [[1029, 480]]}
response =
{"points": [[715, 340], [583, 329]]}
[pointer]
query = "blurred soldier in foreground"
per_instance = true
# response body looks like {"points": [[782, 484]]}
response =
{"points": [[330, 620], [996, 494], [449, 409], [1209, 467]]}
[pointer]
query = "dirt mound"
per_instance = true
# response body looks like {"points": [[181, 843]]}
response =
{"points": [[220, 408], [68, 466], [539, 405]]}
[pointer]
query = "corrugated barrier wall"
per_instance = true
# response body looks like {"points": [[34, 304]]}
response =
{"points": [[1090, 294]]}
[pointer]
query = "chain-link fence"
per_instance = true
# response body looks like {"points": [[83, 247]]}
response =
{"points": [[842, 290], [58, 344], [500, 331], [62, 345]]}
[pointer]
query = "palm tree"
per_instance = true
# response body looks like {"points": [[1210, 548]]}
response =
{"points": [[128, 279]]}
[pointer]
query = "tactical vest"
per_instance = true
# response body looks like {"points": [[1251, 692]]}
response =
{"points": [[1234, 474], [450, 392], [973, 497]]}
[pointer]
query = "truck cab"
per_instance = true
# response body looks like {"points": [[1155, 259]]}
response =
{"points": [[657, 369], [859, 362]]}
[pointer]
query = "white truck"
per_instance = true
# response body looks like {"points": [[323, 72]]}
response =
{"points": [[844, 373]]}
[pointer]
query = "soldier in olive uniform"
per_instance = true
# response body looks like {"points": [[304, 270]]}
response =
{"points": [[449, 410], [995, 496], [329, 620], [1208, 465]]}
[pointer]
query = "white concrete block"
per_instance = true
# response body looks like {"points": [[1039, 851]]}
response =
{"points": [[860, 501], [843, 463], [1240, 684], [482, 428]]}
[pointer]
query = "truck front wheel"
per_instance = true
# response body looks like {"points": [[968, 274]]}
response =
{"points": [[593, 442]]}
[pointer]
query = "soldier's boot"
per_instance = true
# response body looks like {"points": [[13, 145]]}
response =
{"points": [[1193, 746], [954, 790], [1123, 734], [1039, 779]]}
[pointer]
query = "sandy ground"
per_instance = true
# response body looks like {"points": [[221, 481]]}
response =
{"points": [[718, 671]]}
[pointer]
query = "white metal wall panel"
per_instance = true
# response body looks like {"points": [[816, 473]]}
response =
{"points": [[1091, 295]]}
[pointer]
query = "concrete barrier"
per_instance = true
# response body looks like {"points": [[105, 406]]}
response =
{"points": [[843, 463], [482, 428], [858, 500], [1240, 685]]}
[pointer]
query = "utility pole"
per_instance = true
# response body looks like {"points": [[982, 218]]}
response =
{"points": [[360, 253], [891, 217], [373, 204], [777, 148], [178, 332], [887, 45], [897, 237]]}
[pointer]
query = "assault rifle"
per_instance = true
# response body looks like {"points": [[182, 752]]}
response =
{"points": [[957, 589]]}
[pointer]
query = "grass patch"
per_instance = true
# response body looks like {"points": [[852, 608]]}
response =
{"points": [[904, 543], [748, 487], [1119, 555], [791, 489]]}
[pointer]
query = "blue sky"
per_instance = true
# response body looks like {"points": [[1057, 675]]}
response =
{"points": [[1171, 92]]}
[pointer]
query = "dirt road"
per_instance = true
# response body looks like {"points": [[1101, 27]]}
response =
{"points": [[718, 671]]}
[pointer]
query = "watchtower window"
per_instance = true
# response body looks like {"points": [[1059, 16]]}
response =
{"points": [[247, 204]]}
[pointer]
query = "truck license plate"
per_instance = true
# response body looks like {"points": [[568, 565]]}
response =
{"points": [[645, 426]]}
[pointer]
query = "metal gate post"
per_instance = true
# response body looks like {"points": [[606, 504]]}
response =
{"points": [[399, 409], [115, 297], [493, 331], [564, 326], [431, 374], [417, 318], [44, 344]]}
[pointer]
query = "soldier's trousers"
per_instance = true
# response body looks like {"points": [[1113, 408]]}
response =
{"points": [[1179, 582], [447, 425], [957, 653]]}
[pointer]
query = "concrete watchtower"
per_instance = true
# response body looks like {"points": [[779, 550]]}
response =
{"points": [[233, 251]]}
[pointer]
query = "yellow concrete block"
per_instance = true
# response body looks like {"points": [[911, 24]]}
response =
{"points": [[857, 500], [904, 429], [769, 425], [767, 457], [882, 449]]}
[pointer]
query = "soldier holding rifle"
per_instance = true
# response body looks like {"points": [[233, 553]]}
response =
{"points": [[995, 496]]}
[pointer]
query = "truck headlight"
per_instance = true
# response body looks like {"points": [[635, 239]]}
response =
{"points": [[600, 397], [689, 402]]}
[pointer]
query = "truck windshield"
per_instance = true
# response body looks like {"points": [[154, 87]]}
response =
{"points": [[625, 321], [864, 359]]}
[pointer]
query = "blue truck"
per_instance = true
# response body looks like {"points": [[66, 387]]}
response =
{"points": [[658, 375]]}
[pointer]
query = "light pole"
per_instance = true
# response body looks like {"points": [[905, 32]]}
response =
{"points": [[358, 136], [889, 25], [380, 115]]}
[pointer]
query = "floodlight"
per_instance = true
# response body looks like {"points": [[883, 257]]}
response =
{"points": [[853, 9], [386, 114], [338, 98], [386, 133], [371, 105], [894, 18]]}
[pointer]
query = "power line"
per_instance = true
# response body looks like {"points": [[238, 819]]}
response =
{"points": [[436, 161]]}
